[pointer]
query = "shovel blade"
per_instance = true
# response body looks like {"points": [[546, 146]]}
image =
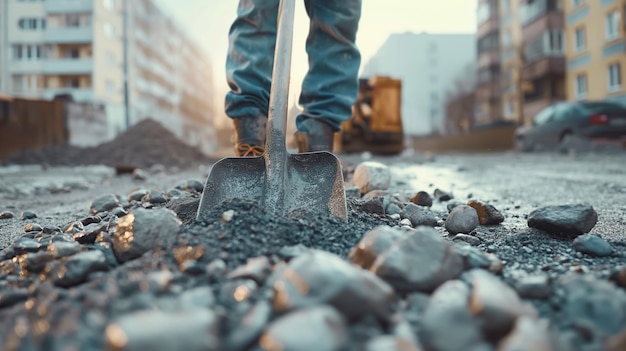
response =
{"points": [[232, 178], [315, 184], [312, 182]]}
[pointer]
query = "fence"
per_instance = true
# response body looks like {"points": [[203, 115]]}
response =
{"points": [[27, 124], [485, 140]]}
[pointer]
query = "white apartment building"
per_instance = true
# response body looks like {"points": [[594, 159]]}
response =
{"points": [[76, 47]]}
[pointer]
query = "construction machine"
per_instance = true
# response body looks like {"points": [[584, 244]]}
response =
{"points": [[376, 121]]}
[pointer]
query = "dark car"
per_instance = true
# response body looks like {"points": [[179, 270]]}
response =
{"points": [[561, 123]]}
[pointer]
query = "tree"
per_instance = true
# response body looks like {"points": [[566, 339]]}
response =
{"points": [[461, 101]]}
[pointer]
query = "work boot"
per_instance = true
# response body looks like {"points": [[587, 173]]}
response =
{"points": [[250, 133], [316, 136]]}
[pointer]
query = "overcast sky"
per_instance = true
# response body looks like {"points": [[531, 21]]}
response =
{"points": [[208, 22]]}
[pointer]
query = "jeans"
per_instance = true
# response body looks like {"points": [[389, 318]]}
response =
{"points": [[330, 87]]}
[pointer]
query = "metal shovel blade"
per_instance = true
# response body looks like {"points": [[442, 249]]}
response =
{"points": [[313, 183]]}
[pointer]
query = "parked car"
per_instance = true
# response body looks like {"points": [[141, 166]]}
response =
{"points": [[563, 123]]}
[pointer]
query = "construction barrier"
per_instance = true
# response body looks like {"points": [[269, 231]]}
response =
{"points": [[485, 140], [27, 124]]}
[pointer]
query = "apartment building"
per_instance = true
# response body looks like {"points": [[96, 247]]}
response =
{"points": [[77, 48], [428, 65], [488, 94], [596, 49]]}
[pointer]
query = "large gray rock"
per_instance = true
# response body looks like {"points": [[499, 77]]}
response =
{"points": [[373, 244], [447, 324], [534, 286], [75, 269], [495, 304], [589, 301], [103, 203], [565, 220], [144, 230], [462, 219], [154, 330], [251, 326], [370, 176], [593, 245], [423, 217], [530, 334], [318, 277], [319, 328], [420, 261]]}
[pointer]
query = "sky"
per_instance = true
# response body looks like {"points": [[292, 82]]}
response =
{"points": [[208, 22]]}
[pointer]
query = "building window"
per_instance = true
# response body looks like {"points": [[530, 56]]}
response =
{"points": [[31, 23], [581, 86], [110, 87], [72, 53], [611, 25], [615, 77], [110, 58], [23, 52], [109, 31], [72, 82], [72, 20], [580, 39], [109, 5]]}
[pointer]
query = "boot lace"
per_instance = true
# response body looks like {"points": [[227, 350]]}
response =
{"points": [[247, 150]]}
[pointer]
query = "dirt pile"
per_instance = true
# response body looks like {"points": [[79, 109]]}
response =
{"points": [[145, 144]]}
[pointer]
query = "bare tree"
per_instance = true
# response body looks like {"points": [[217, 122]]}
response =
{"points": [[460, 102]]}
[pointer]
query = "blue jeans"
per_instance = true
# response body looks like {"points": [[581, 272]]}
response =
{"points": [[330, 87]]}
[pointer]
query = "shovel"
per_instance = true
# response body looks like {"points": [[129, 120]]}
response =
{"points": [[294, 183]]}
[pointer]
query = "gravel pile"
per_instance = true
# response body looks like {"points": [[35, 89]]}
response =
{"points": [[145, 144], [138, 273]]}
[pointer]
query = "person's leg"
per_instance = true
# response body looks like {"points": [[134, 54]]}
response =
{"points": [[252, 39], [330, 87]]}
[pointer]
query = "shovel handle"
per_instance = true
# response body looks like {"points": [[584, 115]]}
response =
{"points": [[276, 157]]}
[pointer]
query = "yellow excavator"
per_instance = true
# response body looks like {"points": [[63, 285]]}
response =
{"points": [[376, 122]]}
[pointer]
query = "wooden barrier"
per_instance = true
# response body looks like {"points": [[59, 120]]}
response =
{"points": [[486, 140], [27, 124]]}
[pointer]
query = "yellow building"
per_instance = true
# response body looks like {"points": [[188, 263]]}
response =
{"points": [[596, 49]]}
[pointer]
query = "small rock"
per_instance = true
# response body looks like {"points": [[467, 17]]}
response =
{"points": [[442, 196], [10, 297], [448, 311], [564, 220], [487, 214], [50, 229], [74, 269], [470, 239], [370, 176], [422, 198], [140, 174], [74, 227], [191, 185], [32, 227], [452, 204], [137, 195], [463, 219], [330, 280], [409, 209], [372, 206], [375, 194], [391, 343], [353, 192], [373, 244], [289, 252], [529, 334], [495, 304], [237, 292], [62, 249], [155, 197], [25, 245], [256, 269], [6, 215], [423, 217], [144, 230], [618, 276], [104, 203], [28, 215], [227, 216], [593, 245], [250, 326], [216, 268], [318, 328], [154, 330], [36, 261], [419, 261], [406, 222], [393, 209], [534, 287]]}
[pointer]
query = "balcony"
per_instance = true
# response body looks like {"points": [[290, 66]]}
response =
{"points": [[69, 6], [489, 58], [547, 21], [68, 66], [68, 35], [544, 67], [488, 90], [26, 66], [531, 10], [490, 25], [79, 94]]}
